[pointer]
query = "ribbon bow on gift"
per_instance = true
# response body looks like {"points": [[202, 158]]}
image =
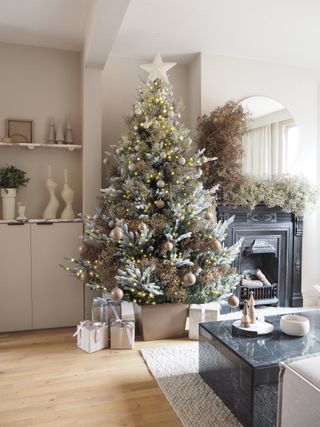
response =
{"points": [[91, 325], [123, 324]]}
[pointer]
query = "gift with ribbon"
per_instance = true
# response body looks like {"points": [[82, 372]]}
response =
{"points": [[100, 310], [121, 332], [92, 336], [199, 313]]}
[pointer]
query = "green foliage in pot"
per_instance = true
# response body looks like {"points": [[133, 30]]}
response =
{"points": [[11, 177], [291, 193]]}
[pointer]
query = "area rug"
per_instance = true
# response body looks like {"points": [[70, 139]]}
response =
{"points": [[176, 370]]}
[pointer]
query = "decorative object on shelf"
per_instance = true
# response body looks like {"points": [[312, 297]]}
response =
{"points": [[199, 313], [187, 271], [19, 130], [245, 319], [21, 211], [50, 211], [52, 132], [252, 311], [92, 337], [59, 135], [220, 135], [67, 195], [294, 325], [6, 139], [68, 139], [11, 179], [253, 330]]}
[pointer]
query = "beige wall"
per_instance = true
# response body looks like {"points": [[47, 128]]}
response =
{"points": [[223, 78], [121, 79], [38, 84]]}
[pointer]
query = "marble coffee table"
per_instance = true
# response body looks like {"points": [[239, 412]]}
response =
{"points": [[243, 371]]}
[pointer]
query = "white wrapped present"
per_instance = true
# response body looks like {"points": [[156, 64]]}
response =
{"points": [[92, 336], [100, 310], [202, 313], [127, 311], [122, 334]]}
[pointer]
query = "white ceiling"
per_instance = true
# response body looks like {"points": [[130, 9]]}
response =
{"points": [[285, 31], [49, 23]]}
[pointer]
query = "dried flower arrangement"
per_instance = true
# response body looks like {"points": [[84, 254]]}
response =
{"points": [[220, 134], [291, 193]]}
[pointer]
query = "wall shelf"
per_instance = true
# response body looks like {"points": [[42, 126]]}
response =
{"points": [[70, 147]]}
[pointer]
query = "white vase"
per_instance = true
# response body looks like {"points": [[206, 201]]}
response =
{"points": [[50, 211], [8, 196], [67, 195]]}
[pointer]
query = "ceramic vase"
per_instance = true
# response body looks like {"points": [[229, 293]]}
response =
{"points": [[50, 211], [8, 196], [67, 195]]}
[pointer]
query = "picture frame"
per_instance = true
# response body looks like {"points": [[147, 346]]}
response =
{"points": [[20, 131]]}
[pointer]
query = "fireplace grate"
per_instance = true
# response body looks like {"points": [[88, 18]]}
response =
{"points": [[262, 295]]}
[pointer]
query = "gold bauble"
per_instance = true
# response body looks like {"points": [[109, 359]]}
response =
{"points": [[182, 161], [132, 167], [142, 226], [82, 249], [116, 294], [159, 203], [168, 246], [189, 279], [209, 216], [85, 277], [233, 301], [215, 245], [96, 217], [116, 233], [161, 183]]}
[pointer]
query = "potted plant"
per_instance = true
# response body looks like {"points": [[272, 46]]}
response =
{"points": [[11, 179]]}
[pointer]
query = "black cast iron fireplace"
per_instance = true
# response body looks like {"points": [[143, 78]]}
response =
{"points": [[272, 243]]}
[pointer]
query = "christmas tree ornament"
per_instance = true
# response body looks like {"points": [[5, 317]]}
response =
{"points": [[96, 217], [209, 216], [189, 279], [171, 114], [85, 277], [233, 301], [111, 224], [168, 246], [163, 154], [160, 183], [182, 161], [137, 147], [159, 203], [252, 311], [82, 249], [245, 319], [132, 167], [142, 226], [116, 233], [52, 132], [158, 69], [117, 294], [215, 245]]}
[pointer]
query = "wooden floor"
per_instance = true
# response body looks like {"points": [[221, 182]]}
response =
{"points": [[45, 380]]}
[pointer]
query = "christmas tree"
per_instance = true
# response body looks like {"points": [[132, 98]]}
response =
{"points": [[154, 236]]}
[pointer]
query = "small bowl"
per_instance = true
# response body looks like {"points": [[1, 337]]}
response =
{"points": [[294, 325]]}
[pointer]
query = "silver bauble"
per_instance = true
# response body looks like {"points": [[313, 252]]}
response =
{"points": [[163, 154], [116, 233], [132, 167], [137, 147], [189, 279], [116, 294], [161, 183], [111, 224], [171, 114], [168, 246], [182, 161], [159, 203]]}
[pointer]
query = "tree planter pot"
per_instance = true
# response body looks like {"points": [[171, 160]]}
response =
{"points": [[162, 321], [8, 196]]}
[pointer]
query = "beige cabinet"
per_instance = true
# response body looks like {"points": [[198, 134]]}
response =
{"points": [[35, 292], [15, 278], [57, 297]]}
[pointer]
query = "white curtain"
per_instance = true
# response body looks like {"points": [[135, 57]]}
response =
{"points": [[263, 151]]}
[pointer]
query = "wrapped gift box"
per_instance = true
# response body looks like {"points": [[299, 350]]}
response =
{"points": [[100, 310], [122, 334], [91, 336], [124, 309], [202, 313]]}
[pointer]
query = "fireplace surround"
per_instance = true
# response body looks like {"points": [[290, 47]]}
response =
{"points": [[272, 242]]}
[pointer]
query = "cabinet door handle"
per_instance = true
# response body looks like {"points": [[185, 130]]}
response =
{"points": [[44, 223], [15, 223]]}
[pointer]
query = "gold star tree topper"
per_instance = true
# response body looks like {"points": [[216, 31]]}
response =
{"points": [[158, 69]]}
